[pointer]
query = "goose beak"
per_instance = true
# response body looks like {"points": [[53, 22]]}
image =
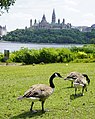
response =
{"points": [[88, 82], [65, 78], [58, 75], [61, 76]]}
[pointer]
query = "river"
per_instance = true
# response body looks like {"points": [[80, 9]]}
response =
{"points": [[12, 46]]}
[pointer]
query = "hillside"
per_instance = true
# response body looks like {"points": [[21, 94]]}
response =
{"points": [[51, 36]]}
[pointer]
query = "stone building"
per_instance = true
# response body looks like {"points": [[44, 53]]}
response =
{"points": [[3, 30], [85, 28], [43, 24]]}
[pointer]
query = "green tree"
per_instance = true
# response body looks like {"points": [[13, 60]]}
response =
{"points": [[92, 40], [5, 5], [46, 36]]}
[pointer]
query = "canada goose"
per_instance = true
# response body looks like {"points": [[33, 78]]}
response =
{"points": [[72, 76], [40, 92], [79, 80]]}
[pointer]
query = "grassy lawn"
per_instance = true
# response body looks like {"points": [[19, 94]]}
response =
{"points": [[15, 80]]}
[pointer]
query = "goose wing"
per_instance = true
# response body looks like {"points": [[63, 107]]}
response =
{"points": [[80, 81], [39, 90]]}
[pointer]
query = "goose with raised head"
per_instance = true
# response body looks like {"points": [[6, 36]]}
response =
{"points": [[40, 92]]}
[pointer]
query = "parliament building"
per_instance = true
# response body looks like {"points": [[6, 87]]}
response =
{"points": [[43, 24]]}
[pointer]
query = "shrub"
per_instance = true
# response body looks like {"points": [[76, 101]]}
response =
{"points": [[53, 55], [48, 55], [64, 55], [82, 60], [1, 57], [31, 56], [81, 55]]}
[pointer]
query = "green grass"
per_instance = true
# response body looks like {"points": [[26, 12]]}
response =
{"points": [[15, 80]]}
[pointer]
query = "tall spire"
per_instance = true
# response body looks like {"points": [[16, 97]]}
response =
{"points": [[44, 18], [30, 22], [53, 16]]}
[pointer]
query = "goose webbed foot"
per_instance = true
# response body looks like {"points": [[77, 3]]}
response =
{"points": [[46, 110], [33, 111]]}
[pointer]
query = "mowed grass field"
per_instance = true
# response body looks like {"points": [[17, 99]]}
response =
{"points": [[15, 80]]}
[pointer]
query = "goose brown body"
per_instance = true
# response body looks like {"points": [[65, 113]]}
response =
{"points": [[40, 92]]}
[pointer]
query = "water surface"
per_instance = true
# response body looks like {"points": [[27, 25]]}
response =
{"points": [[11, 46]]}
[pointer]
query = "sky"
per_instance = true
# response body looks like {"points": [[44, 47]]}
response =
{"points": [[76, 12]]}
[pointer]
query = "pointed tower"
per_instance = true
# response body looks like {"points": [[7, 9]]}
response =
{"points": [[53, 17], [30, 23], [43, 18], [63, 21]]}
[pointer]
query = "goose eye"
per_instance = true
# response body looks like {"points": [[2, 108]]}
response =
{"points": [[56, 74]]}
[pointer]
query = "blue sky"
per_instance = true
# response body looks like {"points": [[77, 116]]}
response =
{"points": [[76, 12]]}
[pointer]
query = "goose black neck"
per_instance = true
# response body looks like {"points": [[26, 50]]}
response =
{"points": [[51, 81]]}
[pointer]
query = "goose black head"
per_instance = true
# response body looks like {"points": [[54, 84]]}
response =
{"points": [[57, 75], [52, 77]]}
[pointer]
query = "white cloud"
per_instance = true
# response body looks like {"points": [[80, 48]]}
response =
{"points": [[71, 6], [71, 9], [89, 15], [71, 2], [79, 12], [89, 19]]}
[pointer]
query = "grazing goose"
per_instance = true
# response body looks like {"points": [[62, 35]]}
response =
{"points": [[72, 76], [40, 92], [79, 80]]}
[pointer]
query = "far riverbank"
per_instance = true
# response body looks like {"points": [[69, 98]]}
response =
{"points": [[14, 46]]}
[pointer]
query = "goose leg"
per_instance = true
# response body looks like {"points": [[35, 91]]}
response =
{"points": [[71, 83], [31, 106], [75, 90], [43, 106], [86, 89], [82, 91]]}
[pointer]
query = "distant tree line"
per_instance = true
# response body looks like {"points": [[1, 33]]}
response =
{"points": [[51, 36]]}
